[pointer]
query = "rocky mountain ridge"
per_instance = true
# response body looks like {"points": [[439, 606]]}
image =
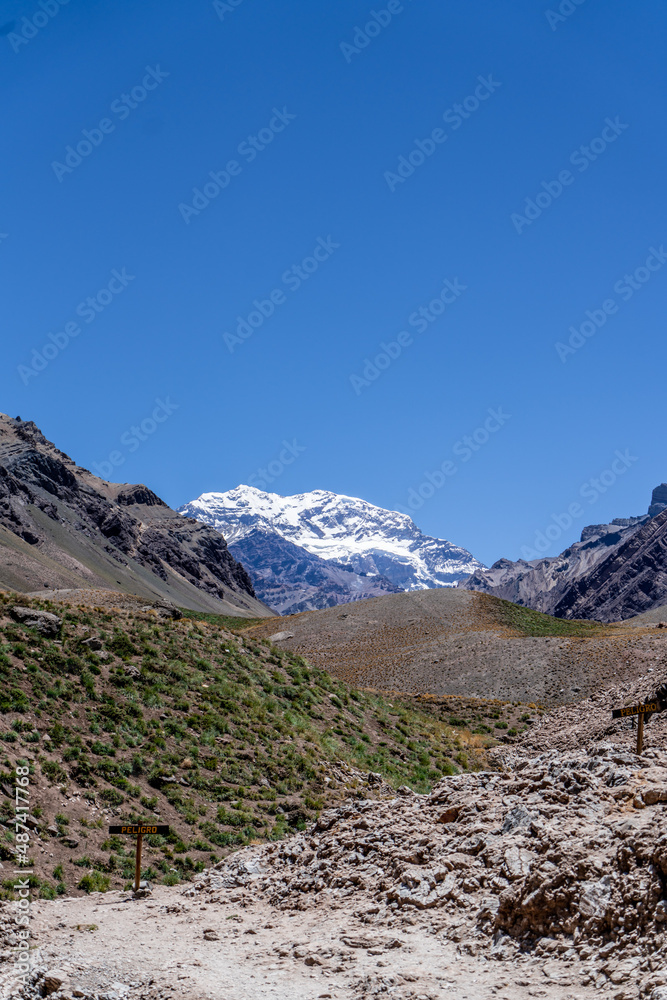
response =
{"points": [[350, 549], [615, 571], [61, 527]]}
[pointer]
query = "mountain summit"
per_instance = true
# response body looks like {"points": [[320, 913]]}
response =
{"points": [[318, 549]]}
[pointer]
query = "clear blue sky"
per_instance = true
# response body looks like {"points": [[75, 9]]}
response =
{"points": [[198, 83]]}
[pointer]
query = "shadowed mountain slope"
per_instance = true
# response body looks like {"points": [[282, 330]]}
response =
{"points": [[63, 528], [615, 572]]}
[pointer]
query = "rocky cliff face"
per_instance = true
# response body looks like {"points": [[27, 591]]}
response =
{"points": [[291, 579], [658, 500], [62, 527], [614, 572], [318, 549]]}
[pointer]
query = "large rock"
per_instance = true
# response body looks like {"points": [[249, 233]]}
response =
{"points": [[53, 981], [44, 622], [658, 500]]}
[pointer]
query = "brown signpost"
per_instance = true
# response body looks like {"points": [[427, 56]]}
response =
{"points": [[138, 830], [641, 710]]}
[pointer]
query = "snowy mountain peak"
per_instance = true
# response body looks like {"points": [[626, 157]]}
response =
{"points": [[346, 531]]}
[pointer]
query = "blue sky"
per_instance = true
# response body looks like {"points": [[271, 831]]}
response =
{"points": [[338, 98]]}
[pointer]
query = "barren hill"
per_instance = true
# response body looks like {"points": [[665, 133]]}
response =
{"points": [[462, 642], [62, 527]]}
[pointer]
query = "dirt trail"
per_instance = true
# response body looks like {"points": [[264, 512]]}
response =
{"points": [[155, 948]]}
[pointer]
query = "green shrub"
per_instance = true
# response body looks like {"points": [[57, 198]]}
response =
{"points": [[95, 882], [122, 646], [112, 796], [53, 771]]}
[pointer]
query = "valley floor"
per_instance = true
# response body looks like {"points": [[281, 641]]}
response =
{"points": [[155, 948]]}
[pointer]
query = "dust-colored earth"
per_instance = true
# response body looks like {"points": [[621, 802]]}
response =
{"points": [[156, 948], [454, 642]]}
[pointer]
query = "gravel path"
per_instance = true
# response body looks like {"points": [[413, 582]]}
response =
{"points": [[157, 948]]}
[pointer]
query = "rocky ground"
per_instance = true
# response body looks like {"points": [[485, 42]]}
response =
{"points": [[545, 878], [465, 643]]}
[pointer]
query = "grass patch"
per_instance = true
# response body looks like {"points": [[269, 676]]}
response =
{"points": [[525, 621]]}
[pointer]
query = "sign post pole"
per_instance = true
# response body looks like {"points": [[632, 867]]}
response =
{"points": [[137, 861], [138, 830], [642, 711]]}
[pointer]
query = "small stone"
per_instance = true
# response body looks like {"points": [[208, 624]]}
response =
{"points": [[93, 643], [54, 979], [211, 935], [281, 636], [449, 815]]}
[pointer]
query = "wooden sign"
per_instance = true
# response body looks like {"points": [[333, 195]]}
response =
{"points": [[139, 831], [143, 830], [642, 710]]}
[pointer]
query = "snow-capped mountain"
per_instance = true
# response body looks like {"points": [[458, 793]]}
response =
{"points": [[370, 549]]}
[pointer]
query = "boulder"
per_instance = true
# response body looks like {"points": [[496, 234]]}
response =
{"points": [[43, 622], [166, 609]]}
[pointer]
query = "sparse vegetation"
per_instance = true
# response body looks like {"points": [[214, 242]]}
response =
{"points": [[525, 621], [224, 737]]}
